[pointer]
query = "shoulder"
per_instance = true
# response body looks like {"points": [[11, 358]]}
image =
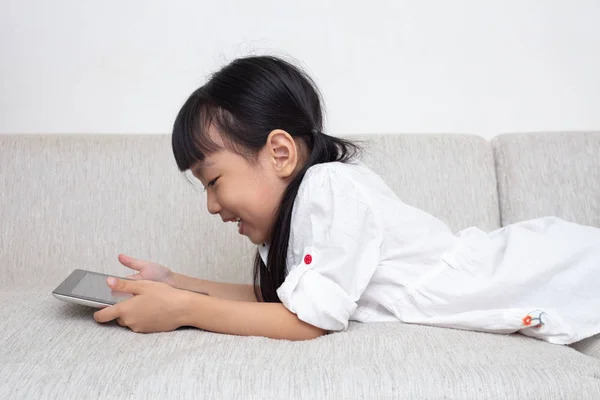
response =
{"points": [[333, 192], [333, 209], [336, 176], [346, 168]]}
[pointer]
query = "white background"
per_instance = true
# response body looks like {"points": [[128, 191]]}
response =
{"points": [[481, 67]]}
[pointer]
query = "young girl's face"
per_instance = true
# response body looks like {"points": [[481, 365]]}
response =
{"points": [[249, 192]]}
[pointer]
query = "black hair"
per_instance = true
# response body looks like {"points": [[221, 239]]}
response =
{"points": [[246, 100]]}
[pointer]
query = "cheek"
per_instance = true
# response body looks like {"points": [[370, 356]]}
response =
{"points": [[265, 200]]}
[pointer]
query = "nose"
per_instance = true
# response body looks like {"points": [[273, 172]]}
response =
{"points": [[212, 204]]}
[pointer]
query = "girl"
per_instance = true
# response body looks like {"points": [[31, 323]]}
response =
{"points": [[334, 241]]}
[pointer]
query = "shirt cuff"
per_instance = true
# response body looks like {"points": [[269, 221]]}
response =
{"points": [[316, 299]]}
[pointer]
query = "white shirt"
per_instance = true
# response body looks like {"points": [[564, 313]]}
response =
{"points": [[357, 252]]}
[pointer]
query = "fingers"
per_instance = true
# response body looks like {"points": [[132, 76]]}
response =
{"points": [[131, 262], [135, 277], [107, 314], [114, 293], [125, 286]]}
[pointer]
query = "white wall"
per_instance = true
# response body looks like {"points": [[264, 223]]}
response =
{"points": [[483, 67]]}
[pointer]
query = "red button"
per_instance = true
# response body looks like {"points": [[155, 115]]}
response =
{"points": [[307, 259]]}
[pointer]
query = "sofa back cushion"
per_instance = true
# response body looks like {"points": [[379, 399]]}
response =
{"points": [[449, 176], [77, 201], [541, 174]]}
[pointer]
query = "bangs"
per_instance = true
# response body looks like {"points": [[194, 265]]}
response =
{"points": [[191, 140]]}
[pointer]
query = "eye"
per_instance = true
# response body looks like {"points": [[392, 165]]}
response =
{"points": [[211, 183]]}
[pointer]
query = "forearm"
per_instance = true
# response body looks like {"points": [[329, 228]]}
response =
{"points": [[271, 320], [231, 291]]}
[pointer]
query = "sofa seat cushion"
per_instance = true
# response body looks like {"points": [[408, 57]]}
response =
{"points": [[52, 349]]}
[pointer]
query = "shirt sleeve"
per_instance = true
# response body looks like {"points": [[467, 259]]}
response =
{"points": [[333, 250]]}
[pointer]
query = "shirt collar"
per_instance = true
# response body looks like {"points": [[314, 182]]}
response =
{"points": [[263, 250]]}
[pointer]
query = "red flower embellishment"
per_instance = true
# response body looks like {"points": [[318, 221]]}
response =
{"points": [[534, 319], [307, 259]]}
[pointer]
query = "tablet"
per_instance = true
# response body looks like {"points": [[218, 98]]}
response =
{"points": [[90, 289]]}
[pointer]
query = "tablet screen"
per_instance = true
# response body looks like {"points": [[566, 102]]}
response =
{"points": [[94, 286]]}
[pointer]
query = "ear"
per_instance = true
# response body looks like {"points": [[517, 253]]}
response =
{"points": [[282, 152]]}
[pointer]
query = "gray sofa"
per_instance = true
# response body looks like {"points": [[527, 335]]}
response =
{"points": [[76, 201]]}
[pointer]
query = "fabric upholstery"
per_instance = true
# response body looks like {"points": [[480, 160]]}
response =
{"points": [[449, 176], [52, 349], [543, 174], [78, 201]]}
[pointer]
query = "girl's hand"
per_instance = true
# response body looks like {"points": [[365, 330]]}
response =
{"points": [[155, 306], [147, 270]]}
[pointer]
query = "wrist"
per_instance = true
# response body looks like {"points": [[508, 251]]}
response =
{"points": [[171, 279], [190, 304]]}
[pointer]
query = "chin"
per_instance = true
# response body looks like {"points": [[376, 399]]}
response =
{"points": [[256, 240]]}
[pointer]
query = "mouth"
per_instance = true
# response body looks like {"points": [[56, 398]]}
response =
{"points": [[239, 221]]}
